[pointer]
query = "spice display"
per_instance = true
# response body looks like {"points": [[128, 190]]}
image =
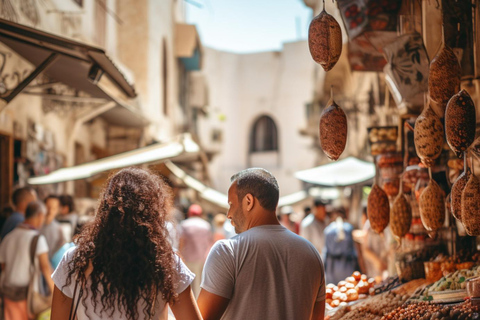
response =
{"points": [[456, 194], [471, 206], [333, 130], [373, 308], [378, 209], [428, 136], [432, 206], [431, 311], [444, 76], [455, 280], [460, 122], [325, 40]]}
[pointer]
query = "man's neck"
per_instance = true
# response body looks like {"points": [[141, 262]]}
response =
{"points": [[263, 219]]}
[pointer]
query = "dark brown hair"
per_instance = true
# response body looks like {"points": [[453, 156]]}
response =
{"points": [[127, 246]]}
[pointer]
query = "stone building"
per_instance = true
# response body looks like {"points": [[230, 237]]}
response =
{"points": [[85, 79]]}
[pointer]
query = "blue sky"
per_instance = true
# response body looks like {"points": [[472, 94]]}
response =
{"points": [[245, 26]]}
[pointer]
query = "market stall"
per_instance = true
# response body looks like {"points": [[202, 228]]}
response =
{"points": [[426, 188]]}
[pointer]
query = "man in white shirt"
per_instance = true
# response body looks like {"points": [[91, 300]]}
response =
{"points": [[266, 271], [314, 224], [15, 261]]}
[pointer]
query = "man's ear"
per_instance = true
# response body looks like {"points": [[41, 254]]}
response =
{"points": [[249, 201]]}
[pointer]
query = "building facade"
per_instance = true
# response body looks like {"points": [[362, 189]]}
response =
{"points": [[115, 81]]}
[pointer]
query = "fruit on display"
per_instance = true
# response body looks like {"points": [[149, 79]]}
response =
{"points": [[378, 209], [400, 215], [433, 311], [460, 122], [456, 194], [444, 76], [333, 130], [325, 40], [432, 206], [471, 206], [428, 136], [353, 288]]}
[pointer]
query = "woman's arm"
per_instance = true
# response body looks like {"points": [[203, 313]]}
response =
{"points": [[46, 269], [186, 306], [60, 306]]}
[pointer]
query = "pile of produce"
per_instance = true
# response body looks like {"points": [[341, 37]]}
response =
{"points": [[371, 309], [455, 280], [427, 311], [356, 287]]}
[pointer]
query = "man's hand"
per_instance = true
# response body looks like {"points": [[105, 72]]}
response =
{"points": [[211, 305]]}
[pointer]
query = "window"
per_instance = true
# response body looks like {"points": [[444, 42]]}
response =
{"points": [[165, 78], [264, 136]]}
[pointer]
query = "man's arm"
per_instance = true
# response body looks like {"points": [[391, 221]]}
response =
{"points": [[318, 310], [212, 306]]}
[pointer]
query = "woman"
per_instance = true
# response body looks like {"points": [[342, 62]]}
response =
{"points": [[123, 266]]}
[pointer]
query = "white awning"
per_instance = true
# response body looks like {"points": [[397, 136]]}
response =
{"points": [[205, 192], [182, 146], [346, 172]]}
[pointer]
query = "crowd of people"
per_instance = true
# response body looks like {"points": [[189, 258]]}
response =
{"points": [[34, 234], [133, 261]]}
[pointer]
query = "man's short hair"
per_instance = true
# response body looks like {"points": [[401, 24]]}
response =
{"points": [[20, 194], [319, 203], [259, 183], [50, 196], [67, 200], [34, 208]]}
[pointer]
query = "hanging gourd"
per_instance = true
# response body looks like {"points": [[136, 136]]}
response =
{"points": [[325, 40], [333, 129]]}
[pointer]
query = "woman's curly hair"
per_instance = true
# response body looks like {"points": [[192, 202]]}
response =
{"points": [[127, 246]]}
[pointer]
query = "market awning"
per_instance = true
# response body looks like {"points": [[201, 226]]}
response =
{"points": [[180, 148], [346, 172], [205, 192], [188, 47], [78, 65]]}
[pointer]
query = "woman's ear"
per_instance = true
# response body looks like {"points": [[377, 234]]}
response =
{"points": [[249, 201]]}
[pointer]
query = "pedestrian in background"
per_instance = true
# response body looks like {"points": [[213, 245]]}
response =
{"points": [[266, 271], [15, 261], [131, 271], [286, 221], [51, 230], [196, 239], [218, 231], [314, 224], [20, 198], [67, 217], [340, 255]]}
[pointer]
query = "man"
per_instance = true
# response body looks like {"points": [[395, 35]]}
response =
{"points": [[20, 198], [266, 271], [68, 218], [15, 261], [340, 254], [314, 224], [196, 239], [52, 229], [285, 214]]}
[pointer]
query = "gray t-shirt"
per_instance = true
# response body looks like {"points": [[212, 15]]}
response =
{"points": [[267, 272]]}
